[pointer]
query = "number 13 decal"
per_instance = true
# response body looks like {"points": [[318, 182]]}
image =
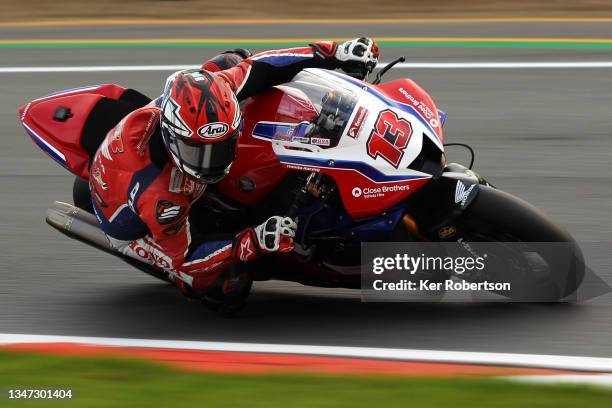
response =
{"points": [[389, 137]]}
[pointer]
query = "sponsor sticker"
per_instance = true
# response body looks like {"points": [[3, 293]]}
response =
{"points": [[358, 120], [462, 193], [246, 250], [374, 192], [182, 185], [176, 181], [167, 212], [421, 107], [143, 141], [300, 139], [150, 254], [283, 133], [320, 141], [446, 231], [301, 168], [213, 130]]}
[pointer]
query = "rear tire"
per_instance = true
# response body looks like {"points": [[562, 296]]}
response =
{"points": [[80, 195]]}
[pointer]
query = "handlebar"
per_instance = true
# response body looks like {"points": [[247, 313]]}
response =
{"points": [[384, 70]]}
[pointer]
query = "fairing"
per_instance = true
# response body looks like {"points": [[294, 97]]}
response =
{"points": [[377, 135], [370, 139], [62, 138]]}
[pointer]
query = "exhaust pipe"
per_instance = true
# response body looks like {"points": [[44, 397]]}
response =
{"points": [[78, 224]]}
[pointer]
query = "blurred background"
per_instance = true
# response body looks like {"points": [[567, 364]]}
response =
{"points": [[168, 9]]}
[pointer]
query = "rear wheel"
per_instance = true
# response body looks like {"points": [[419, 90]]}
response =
{"points": [[80, 194]]}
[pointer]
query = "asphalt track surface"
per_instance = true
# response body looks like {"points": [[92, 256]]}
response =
{"points": [[542, 134]]}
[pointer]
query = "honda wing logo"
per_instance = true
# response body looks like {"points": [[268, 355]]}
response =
{"points": [[461, 193], [174, 122]]}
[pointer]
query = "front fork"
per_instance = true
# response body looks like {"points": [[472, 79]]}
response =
{"points": [[445, 198]]}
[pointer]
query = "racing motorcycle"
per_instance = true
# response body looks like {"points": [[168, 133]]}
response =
{"points": [[354, 161]]}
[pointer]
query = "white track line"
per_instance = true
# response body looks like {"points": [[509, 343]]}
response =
{"points": [[100, 68], [591, 364], [601, 380], [503, 65], [405, 65]]}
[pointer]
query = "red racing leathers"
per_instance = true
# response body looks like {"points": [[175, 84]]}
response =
{"points": [[142, 200]]}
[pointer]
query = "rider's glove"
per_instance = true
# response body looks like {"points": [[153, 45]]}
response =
{"points": [[358, 56], [274, 235]]}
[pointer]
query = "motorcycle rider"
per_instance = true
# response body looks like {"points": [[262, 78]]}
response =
{"points": [[158, 160]]}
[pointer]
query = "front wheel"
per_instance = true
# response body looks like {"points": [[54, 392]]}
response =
{"points": [[496, 216]]}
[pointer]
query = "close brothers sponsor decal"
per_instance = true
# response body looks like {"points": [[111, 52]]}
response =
{"points": [[422, 107], [373, 192]]}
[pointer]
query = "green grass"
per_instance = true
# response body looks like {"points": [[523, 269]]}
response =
{"points": [[127, 383]]}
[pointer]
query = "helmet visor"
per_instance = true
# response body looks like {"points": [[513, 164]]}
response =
{"points": [[208, 162]]}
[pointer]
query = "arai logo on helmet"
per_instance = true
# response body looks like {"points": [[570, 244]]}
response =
{"points": [[213, 130]]}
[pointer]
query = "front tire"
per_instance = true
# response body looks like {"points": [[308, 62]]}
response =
{"points": [[496, 216]]}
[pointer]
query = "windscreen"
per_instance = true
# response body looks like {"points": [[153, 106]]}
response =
{"points": [[334, 104]]}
